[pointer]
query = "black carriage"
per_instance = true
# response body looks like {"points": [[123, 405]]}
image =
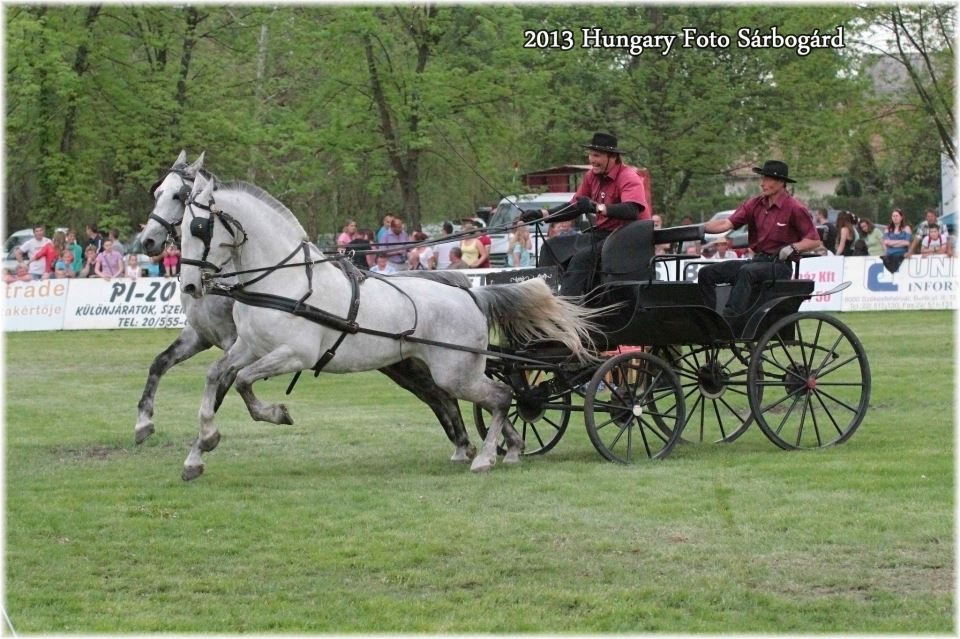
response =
{"points": [[678, 370]]}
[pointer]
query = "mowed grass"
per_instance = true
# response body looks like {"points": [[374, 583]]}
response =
{"points": [[353, 520]]}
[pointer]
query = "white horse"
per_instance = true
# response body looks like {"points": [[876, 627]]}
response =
{"points": [[284, 279], [210, 321]]}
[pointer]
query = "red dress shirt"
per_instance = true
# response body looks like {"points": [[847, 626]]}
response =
{"points": [[773, 225], [620, 184]]}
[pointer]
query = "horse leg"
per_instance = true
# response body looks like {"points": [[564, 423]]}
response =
{"points": [[496, 398], [414, 377], [465, 379], [277, 362], [208, 437], [187, 344]]}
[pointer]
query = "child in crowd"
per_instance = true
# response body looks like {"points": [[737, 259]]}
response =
{"points": [[21, 275], [171, 260], [132, 269], [935, 244]]}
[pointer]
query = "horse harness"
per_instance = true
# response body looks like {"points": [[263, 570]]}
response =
{"points": [[202, 229]]}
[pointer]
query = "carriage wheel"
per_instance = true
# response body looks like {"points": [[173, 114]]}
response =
{"points": [[539, 412], [809, 382], [634, 408], [714, 381]]}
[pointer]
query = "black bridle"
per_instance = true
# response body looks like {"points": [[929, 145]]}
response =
{"points": [[182, 195], [202, 229]]}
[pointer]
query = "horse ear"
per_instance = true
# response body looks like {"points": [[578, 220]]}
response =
{"points": [[198, 163], [206, 193], [182, 158], [198, 185]]}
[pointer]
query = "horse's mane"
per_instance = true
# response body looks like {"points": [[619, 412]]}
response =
{"points": [[266, 198]]}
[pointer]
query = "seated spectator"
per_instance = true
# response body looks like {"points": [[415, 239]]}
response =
{"points": [[421, 257], [935, 244], [171, 260], [154, 267], [896, 241], [383, 266], [456, 258], [870, 236], [475, 251], [89, 268], [21, 274], [721, 250], [846, 234], [59, 270], [930, 221], [519, 247], [132, 269], [109, 264]]}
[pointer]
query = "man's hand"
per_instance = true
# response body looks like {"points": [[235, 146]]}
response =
{"points": [[532, 216], [787, 252], [586, 205]]}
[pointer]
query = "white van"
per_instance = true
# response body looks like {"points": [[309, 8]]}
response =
{"points": [[510, 209]]}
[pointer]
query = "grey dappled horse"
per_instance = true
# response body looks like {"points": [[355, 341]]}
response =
{"points": [[445, 328], [210, 321]]}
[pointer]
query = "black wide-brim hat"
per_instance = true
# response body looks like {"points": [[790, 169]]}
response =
{"points": [[605, 143], [774, 168]]}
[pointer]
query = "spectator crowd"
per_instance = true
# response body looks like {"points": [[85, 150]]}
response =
{"points": [[105, 257], [391, 248]]}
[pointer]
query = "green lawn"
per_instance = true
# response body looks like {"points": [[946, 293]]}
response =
{"points": [[353, 520]]}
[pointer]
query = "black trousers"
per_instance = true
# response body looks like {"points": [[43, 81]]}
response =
{"points": [[747, 276], [578, 276]]}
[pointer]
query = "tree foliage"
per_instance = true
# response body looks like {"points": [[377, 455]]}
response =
{"points": [[428, 110]]}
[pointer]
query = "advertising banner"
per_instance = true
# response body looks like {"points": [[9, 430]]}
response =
{"points": [[920, 283], [35, 306], [152, 302]]}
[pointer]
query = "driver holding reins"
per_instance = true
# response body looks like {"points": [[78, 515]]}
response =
{"points": [[779, 229], [612, 190]]}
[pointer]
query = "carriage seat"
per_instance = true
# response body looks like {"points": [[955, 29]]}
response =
{"points": [[628, 252]]}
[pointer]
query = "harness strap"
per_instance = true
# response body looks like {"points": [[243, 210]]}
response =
{"points": [[319, 316]]}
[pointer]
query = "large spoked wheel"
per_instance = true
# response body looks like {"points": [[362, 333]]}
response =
{"points": [[714, 381], [809, 382], [540, 410], [634, 408]]}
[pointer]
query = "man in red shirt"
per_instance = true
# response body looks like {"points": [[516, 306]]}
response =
{"points": [[612, 190], [779, 228]]}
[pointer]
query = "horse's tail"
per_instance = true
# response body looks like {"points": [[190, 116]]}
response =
{"points": [[529, 311]]}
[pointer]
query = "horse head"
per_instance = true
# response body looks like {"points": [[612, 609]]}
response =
{"points": [[170, 194], [199, 244]]}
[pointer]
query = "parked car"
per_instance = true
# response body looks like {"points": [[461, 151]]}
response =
{"points": [[508, 210]]}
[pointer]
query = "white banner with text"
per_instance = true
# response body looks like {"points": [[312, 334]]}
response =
{"points": [[154, 302]]}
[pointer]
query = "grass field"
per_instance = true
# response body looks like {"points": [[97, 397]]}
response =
{"points": [[353, 520]]}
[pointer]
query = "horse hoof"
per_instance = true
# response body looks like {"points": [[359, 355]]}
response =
{"points": [[191, 472], [284, 416], [512, 457], [142, 431], [206, 445], [481, 467], [471, 452]]}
